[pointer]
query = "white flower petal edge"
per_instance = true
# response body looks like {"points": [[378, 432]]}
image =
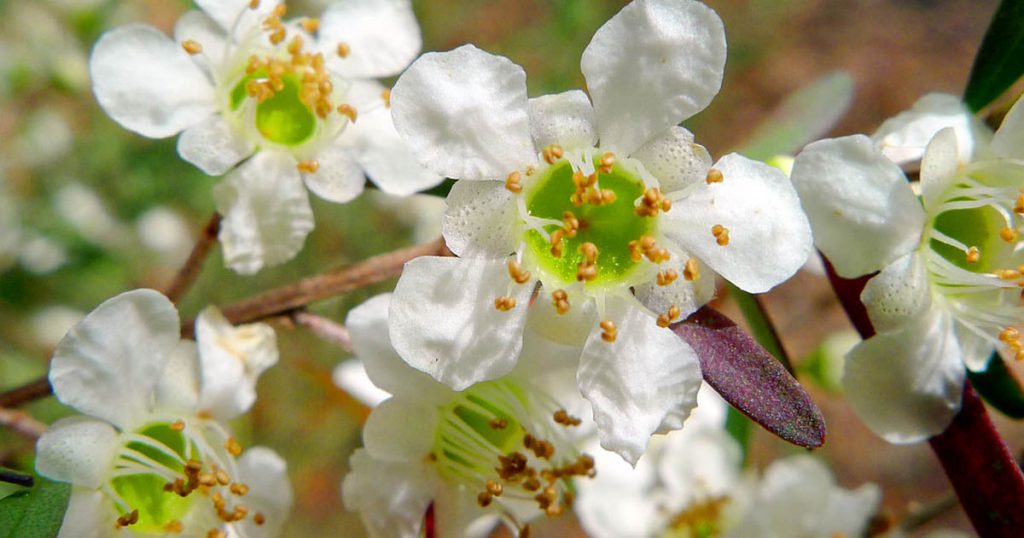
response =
{"points": [[270, 491], [213, 145], [400, 430], [633, 399], [111, 374], [939, 167], [465, 114], [566, 119], [682, 44], [903, 137], [675, 159], [899, 294], [1009, 139], [444, 321], [227, 12], [382, 35], [231, 359], [77, 449], [391, 497], [906, 384], [480, 221], [147, 83], [339, 178], [350, 376], [866, 220], [384, 156]]}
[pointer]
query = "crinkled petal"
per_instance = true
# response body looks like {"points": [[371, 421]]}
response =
{"points": [[266, 213], [88, 515], [382, 35], [1009, 138], [79, 450], [147, 83], [648, 375], [385, 157], [899, 294], [391, 497], [108, 364], [465, 114], [444, 322], [231, 359], [685, 294], [863, 212], [400, 429], [675, 159], [565, 119], [906, 384], [939, 166], [270, 491], [654, 64], [227, 13], [903, 137], [178, 388], [339, 177], [481, 220], [197, 26], [213, 145], [769, 237]]}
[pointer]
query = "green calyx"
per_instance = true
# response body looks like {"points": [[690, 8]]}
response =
{"points": [[145, 491], [281, 118]]}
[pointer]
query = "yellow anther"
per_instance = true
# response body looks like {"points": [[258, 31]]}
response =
{"points": [[484, 499], [311, 25], [714, 176], [607, 162], [278, 36], [666, 205], [565, 419], [556, 242], [608, 196], [571, 224], [233, 447], [589, 251], [258, 518], [587, 269], [531, 170], [1018, 208], [308, 167], [385, 94], [498, 424], [348, 111], [222, 477], [216, 533], [254, 4], [174, 527], [207, 480], [505, 303], [514, 182], [494, 488], [561, 301], [192, 46], [295, 45], [130, 518], [1007, 274], [343, 49], [239, 489], [1008, 234], [691, 271], [518, 274], [667, 277], [280, 10], [635, 253], [973, 255], [666, 319], [178, 425], [552, 153], [721, 234], [586, 273], [651, 202], [608, 331], [1009, 334]]}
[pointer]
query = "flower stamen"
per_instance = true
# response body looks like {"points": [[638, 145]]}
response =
{"points": [[561, 301], [721, 234], [714, 176], [608, 331]]}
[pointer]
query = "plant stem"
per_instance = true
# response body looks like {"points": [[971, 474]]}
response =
{"points": [[33, 390], [189, 272]]}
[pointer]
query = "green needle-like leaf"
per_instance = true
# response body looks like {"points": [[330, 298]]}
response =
{"points": [[1000, 59], [36, 512]]}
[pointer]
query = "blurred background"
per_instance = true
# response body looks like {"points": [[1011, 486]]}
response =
{"points": [[88, 209]]}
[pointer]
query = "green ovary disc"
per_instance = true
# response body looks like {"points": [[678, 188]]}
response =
{"points": [[973, 227], [145, 492], [282, 118]]}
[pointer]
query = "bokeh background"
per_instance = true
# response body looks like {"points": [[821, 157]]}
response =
{"points": [[88, 209]]}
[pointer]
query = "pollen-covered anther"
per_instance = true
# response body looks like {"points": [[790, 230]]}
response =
{"points": [[498, 424], [607, 162], [571, 224], [561, 301], [174, 526], [1018, 207], [609, 331], [258, 518], [483, 499], [541, 448], [239, 489], [721, 234], [130, 518], [552, 153], [565, 419], [494, 488], [178, 426], [973, 255], [1008, 234], [385, 96], [691, 271], [587, 270], [343, 49], [192, 46], [1007, 274], [254, 4], [514, 182], [505, 303], [666, 319], [308, 167], [647, 247], [232, 446], [517, 273], [216, 533], [207, 480], [1011, 337], [556, 243], [311, 25], [714, 176], [667, 277], [652, 202], [348, 111]]}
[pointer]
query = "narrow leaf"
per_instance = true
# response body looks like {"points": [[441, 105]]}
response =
{"points": [[751, 380], [999, 388], [34, 513], [1000, 59]]}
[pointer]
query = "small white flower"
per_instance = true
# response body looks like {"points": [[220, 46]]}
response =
{"points": [[501, 448], [149, 456], [948, 288], [298, 97], [605, 202]]}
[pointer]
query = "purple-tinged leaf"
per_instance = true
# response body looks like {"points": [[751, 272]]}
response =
{"points": [[751, 380]]}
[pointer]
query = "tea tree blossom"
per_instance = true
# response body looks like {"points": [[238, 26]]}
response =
{"points": [[601, 207], [296, 99], [148, 455], [948, 289], [504, 448]]}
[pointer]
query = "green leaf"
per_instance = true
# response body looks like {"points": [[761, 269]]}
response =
{"points": [[999, 388], [36, 512], [1000, 59]]}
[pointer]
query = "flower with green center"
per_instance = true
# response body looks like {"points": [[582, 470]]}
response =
{"points": [[948, 288], [294, 102], [498, 449], [605, 202], [150, 457]]}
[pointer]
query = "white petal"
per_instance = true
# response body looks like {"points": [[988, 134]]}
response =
{"points": [[79, 450], [108, 364], [565, 119], [400, 429], [464, 113], [700, 462], [769, 237], [228, 12], [178, 388], [618, 502], [88, 515], [147, 83], [368, 326], [199, 27], [444, 322], [654, 64], [456, 513], [975, 349], [382, 35], [862, 210], [906, 385], [1009, 138], [213, 145], [675, 159], [571, 329], [687, 295], [385, 157], [266, 213], [231, 360], [646, 377], [350, 376], [270, 492], [899, 294], [391, 497], [903, 137], [481, 220], [339, 178], [939, 166]]}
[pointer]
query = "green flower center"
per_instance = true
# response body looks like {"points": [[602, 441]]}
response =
{"points": [[283, 117], [145, 491], [977, 228]]}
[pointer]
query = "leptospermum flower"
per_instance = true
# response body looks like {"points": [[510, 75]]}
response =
{"points": [[948, 290], [149, 455], [296, 98], [504, 448], [608, 205]]}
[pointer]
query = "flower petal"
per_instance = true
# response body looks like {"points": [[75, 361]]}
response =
{"points": [[769, 238], [382, 35], [213, 145], [939, 166], [465, 114], [400, 429], [444, 322], [700, 462], [147, 83], [903, 138], [456, 513], [900, 293], [231, 359], [350, 376], [339, 177], [863, 212], [481, 220], [228, 13], [565, 119], [675, 160], [646, 378], [685, 294], [79, 450], [975, 349], [654, 64], [88, 515], [270, 492], [266, 213], [1009, 138], [108, 364], [178, 388], [199, 27], [391, 497], [906, 385]]}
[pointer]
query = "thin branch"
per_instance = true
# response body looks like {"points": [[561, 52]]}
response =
{"points": [[21, 423], [31, 391], [189, 272], [326, 329], [18, 479]]}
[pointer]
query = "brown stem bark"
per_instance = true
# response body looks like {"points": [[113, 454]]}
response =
{"points": [[189, 272]]}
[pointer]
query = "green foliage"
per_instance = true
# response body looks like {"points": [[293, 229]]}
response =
{"points": [[36, 512], [1000, 60], [999, 388]]}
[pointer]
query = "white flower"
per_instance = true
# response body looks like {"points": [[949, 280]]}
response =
{"points": [[499, 448], [947, 291], [297, 96], [149, 456], [595, 202]]}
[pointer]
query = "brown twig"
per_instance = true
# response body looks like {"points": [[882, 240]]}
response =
{"points": [[21, 423], [326, 329], [189, 272], [28, 392]]}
